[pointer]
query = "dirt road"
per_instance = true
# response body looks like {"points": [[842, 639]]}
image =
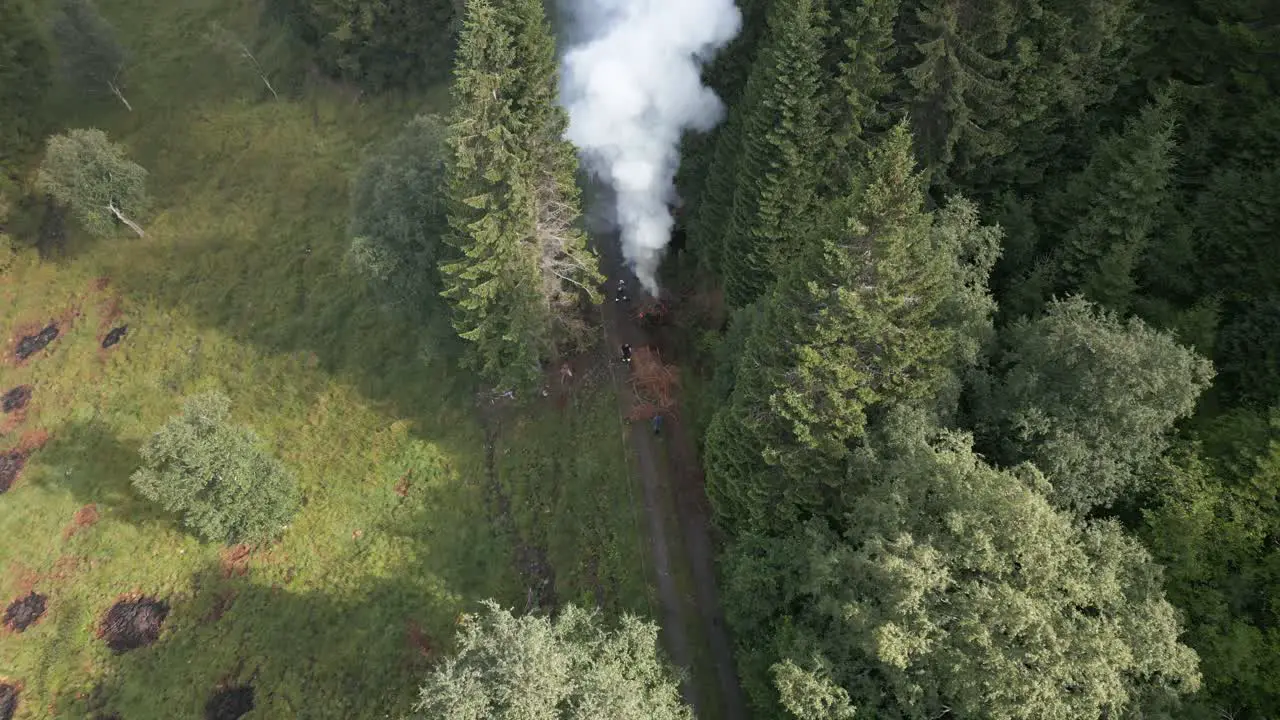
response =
{"points": [[679, 535]]}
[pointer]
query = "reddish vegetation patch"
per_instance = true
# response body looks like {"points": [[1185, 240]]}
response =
{"points": [[101, 283], [84, 517], [22, 578], [25, 611], [418, 639], [64, 567], [402, 486], [230, 703], [33, 440], [235, 560], [9, 692], [133, 623]]}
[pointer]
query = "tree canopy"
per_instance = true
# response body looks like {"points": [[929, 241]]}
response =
{"points": [[216, 475], [1090, 399], [871, 314], [26, 69], [92, 176], [573, 667], [518, 271], [380, 44], [954, 587], [399, 215]]}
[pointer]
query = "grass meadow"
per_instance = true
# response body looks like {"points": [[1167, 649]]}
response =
{"points": [[241, 284]]}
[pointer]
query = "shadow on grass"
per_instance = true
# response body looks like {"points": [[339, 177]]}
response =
{"points": [[87, 459], [306, 654], [354, 647], [256, 249]]}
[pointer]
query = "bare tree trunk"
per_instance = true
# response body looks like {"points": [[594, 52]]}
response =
{"points": [[132, 225], [244, 50], [116, 90], [224, 38]]}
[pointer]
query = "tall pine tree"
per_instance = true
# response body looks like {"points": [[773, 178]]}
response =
{"points": [[520, 268], [872, 312], [955, 92], [777, 173], [860, 47], [1109, 211], [493, 279], [570, 272]]}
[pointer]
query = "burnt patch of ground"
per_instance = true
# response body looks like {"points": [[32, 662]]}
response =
{"points": [[16, 398], [11, 464], [31, 344], [230, 703], [8, 700], [114, 337], [25, 611], [133, 623]]}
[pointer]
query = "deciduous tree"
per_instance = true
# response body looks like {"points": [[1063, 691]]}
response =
{"points": [[92, 59], [954, 588], [399, 214], [1213, 527], [1089, 399], [91, 175], [570, 668]]}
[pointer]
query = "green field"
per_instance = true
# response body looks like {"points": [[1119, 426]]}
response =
{"points": [[241, 285]]}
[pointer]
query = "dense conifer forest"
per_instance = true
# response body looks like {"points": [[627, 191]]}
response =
{"points": [[1002, 314]]}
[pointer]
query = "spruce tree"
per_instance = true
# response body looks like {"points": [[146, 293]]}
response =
{"points": [[1110, 209], [862, 35], [726, 75], [777, 172], [570, 271], [493, 277], [955, 92], [872, 312], [520, 269]]}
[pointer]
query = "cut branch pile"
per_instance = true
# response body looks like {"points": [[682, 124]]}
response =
{"points": [[654, 384]]}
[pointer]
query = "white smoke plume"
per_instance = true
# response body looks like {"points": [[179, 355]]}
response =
{"points": [[631, 83]]}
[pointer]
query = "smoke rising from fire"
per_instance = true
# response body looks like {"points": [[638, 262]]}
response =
{"points": [[631, 83]]}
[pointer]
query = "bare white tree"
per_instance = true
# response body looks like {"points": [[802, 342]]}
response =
{"points": [[224, 39], [92, 59]]}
